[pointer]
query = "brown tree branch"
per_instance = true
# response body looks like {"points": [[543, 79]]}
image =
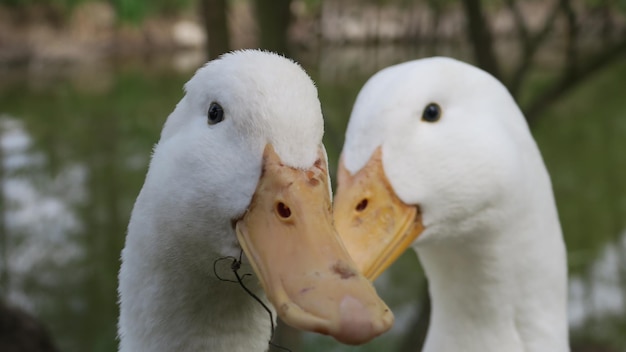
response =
{"points": [[548, 24], [571, 48], [530, 43], [481, 38], [607, 20], [520, 22]]}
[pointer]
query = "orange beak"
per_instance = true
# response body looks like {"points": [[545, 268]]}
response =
{"points": [[375, 225], [309, 277]]}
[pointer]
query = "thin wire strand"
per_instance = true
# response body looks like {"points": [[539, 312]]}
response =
{"points": [[235, 266]]}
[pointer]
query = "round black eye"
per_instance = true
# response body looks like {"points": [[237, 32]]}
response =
{"points": [[432, 113], [215, 114]]}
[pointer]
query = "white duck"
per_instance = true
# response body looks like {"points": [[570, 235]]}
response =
{"points": [[439, 157], [240, 164]]}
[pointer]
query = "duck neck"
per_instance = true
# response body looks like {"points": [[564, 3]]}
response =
{"points": [[507, 293], [171, 299]]}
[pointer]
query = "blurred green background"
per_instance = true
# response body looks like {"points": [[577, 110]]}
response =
{"points": [[85, 87]]}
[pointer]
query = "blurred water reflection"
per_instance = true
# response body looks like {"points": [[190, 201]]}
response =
{"points": [[39, 214], [602, 295], [75, 144]]}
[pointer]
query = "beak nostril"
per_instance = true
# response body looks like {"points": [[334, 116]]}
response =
{"points": [[362, 205], [283, 210]]}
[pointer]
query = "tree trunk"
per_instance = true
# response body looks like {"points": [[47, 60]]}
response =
{"points": [[274, 18], [481, 38], [214, 15]]}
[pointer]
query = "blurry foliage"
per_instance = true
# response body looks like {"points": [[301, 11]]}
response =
{"points": [[131, 10], [127, 10], [137, 10], [312, 5], [59, 3], [620, 4]]}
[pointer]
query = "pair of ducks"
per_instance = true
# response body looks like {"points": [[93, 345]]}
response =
{"points": [[437, 157]]}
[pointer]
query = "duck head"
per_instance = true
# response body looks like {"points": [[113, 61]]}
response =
{"points": [[433, 149], [243, 155]]}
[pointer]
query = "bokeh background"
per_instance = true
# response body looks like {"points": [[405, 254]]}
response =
{"points": [[85, 87]]}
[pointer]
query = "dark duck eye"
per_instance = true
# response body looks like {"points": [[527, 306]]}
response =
{"points": [[215, 114], [432, 113]]}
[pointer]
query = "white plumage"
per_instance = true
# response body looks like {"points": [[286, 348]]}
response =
{"points": [[491, 246]]}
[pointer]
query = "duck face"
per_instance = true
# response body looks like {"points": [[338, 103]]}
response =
{"points": [[430, 151], [243, 149]]}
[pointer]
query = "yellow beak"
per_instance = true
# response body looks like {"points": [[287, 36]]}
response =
{"points": [[307, 274], [375, 225]]}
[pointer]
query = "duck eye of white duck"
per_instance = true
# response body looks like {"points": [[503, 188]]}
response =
{"points": [[215, 113], [432, 113]]}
